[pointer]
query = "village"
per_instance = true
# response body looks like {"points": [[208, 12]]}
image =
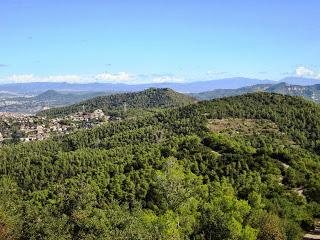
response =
{"points": [[16, 127]]}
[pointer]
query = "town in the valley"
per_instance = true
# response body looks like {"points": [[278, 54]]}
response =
{"points": [[18, 127]]}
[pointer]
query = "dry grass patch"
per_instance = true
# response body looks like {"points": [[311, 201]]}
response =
{"points": [[243, 126]]}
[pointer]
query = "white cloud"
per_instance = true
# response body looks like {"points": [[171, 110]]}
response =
{"points": [[121, 77], [131, 78], [21, 78], [116, 77], [24, 78], [63, 78], [166, 78], [302, 71]]}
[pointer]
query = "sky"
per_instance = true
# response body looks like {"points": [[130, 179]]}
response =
{"points": [[137, 41]]}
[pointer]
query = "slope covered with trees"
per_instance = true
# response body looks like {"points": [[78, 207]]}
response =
{"points": [[311, 92], [148, 99], [297, 117], [64, 98], [220, 93], [225, 169]]}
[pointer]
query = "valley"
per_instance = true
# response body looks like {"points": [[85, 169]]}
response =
{"points": [[31, 104]]}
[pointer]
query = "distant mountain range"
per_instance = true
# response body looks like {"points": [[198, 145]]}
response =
{"points": [[188, 87], [34, 97], [311, 92]]}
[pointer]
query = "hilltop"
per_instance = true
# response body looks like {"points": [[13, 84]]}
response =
{"points": [[147, 99]]}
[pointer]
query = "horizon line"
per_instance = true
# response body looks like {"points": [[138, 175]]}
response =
{"points": [[156, 83]]}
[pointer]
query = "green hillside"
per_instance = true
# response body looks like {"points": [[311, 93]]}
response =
{"points": [[311, 92], [294, 115], [220, 93], [244, 167], [65, 98], [150, 98]]}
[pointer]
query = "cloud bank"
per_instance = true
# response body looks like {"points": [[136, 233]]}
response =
{"points": [[117, 77], [120, 77], [130, 78], [25, 78], [302, 71]]}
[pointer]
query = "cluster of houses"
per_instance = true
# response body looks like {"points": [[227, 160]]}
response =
{"points": [[36, 128], [9, 122], [86, 117]]}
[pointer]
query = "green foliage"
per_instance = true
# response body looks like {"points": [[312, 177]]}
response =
{"points": [[167, 176], [148, 99]]}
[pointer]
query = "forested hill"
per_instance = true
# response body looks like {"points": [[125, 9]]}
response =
{"points": [[150, 98], [242, 167], [67, 97], [311, 92], [296, 116], [220, 93]]}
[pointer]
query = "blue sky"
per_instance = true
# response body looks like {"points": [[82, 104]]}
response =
{"points": [[156, 41]]}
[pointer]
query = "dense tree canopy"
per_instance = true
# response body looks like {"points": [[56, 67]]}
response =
{"points": [[171, 176]]}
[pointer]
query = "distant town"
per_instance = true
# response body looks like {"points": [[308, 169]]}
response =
{"points": [[18, 127]]}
